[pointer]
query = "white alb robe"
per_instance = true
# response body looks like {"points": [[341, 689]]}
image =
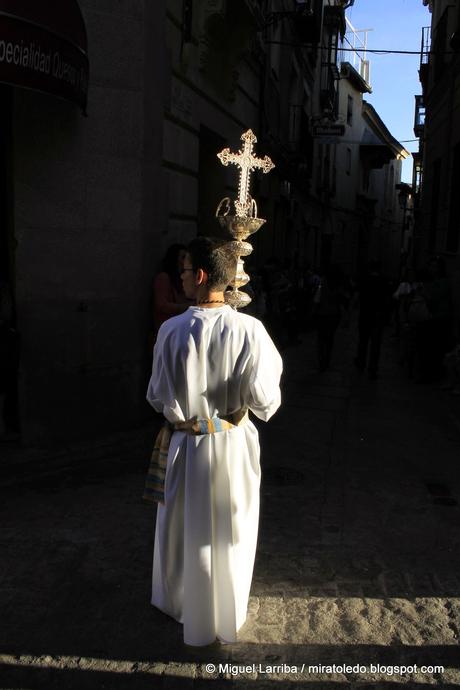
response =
{"points": [[209, 362]]}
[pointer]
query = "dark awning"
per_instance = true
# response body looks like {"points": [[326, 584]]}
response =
{"points": [[43, 46], [374, 152]]}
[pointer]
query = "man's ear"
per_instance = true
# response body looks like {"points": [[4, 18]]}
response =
{"points": [[201, 277]]}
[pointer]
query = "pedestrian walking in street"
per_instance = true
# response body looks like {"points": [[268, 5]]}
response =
{"points": [[400, 296], [374, 305], [211, 365]]}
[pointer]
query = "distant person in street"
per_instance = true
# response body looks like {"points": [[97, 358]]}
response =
{"points": [[330, 304], [374, 304], [9, 366], [211, 365], [400, 296], [168, 295]]}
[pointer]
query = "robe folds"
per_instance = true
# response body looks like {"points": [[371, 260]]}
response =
{"points": [[209, 362]]}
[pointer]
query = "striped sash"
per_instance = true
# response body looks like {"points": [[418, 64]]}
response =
{"points": [[154, 490]]}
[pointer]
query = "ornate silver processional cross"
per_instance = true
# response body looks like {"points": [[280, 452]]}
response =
{"points": [[245, 222], [247, 161]]}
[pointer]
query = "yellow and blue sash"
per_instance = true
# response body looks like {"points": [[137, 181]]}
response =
{"points": [[154, 490]]}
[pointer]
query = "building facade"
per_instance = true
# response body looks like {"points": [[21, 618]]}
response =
{"points": [[99, 177], [357, 173], [437, 124]]}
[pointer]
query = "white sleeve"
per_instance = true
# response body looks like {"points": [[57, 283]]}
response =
{"points": [[161, 391], [264, 381], [152, 392]]}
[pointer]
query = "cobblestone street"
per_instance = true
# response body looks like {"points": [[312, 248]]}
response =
{"points": [[357, 562]]}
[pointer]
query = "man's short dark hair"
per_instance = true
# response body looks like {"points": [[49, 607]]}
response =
{"points": [[212, 255]]}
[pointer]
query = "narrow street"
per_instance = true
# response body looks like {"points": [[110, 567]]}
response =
{"points": [[357, 561]]}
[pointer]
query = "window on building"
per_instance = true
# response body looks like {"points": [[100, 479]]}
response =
{"points": [[453, 229], [350, 110]]}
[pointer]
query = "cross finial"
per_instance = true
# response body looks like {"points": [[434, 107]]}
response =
{"points": [[247, 162]]}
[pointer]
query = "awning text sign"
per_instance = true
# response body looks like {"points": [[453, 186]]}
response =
{"points": [[35, 58]]}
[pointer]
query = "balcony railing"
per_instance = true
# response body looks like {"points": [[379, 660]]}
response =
{"points": [[425, 50], [426, 45], [356, 39]]}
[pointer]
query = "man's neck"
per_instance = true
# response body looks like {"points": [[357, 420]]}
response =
{"points": [[210, 299]]}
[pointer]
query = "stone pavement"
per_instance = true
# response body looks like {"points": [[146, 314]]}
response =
{"points": [[357, 564]]}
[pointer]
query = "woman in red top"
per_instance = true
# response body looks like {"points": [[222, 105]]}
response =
{"points": [[168, 296]]}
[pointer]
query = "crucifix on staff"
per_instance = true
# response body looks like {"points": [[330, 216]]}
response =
{"points": [[245, 221], [247, 162]]}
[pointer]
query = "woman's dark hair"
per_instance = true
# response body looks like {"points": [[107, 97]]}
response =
{"points": [[212, 255], [169, 263]]}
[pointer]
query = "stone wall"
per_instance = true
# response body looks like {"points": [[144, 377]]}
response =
{"points": [[87, 218]]}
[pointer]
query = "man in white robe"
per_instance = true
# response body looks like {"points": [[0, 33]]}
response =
{"points": [[210, 361]]}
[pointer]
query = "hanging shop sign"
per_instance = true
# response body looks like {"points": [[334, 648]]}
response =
{"points": [[328, 130], [44, 48]]}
